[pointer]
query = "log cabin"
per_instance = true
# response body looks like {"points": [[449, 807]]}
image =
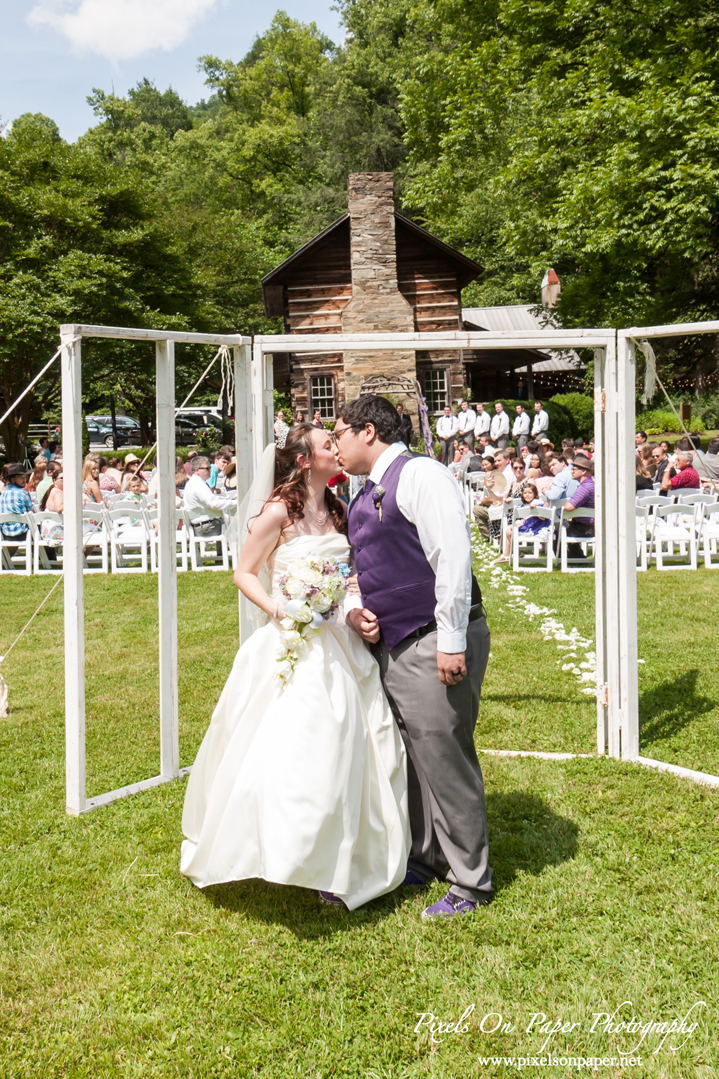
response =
{"points": [[375, 270]]}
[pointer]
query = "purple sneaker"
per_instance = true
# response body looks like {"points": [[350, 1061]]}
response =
{"points": [[331, 899], [448, 906]]}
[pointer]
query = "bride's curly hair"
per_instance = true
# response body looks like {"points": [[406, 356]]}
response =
{"points": [[291, 480]]}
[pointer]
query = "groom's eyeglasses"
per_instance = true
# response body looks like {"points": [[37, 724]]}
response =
{"points": [[337, 435]]}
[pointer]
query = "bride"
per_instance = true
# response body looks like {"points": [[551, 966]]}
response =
{"points": [[306, 786]]}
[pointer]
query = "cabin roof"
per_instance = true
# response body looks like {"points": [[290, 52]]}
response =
{"points": [[465, 268]]}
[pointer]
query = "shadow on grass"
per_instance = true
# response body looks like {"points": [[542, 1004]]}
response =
{"points": [[671, 706], [525, 836]]}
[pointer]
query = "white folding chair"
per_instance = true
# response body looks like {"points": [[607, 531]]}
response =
{"points": [[708, 534], [181, 539], [16, 551], [694, 498], [128, 538], [643, 533], [43, 561], [579, 564], [528, 540], [199, 553], [673, 526], [95, 539]]}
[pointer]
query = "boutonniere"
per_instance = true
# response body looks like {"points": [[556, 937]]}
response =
{"points": [[377, 496]]}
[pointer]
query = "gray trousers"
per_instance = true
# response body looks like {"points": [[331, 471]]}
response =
{"points": [[447, 445], [502, 442], [447, 812], [521, 440]]}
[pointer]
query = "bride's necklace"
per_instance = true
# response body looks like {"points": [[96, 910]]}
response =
{"points": [[321, 520]]}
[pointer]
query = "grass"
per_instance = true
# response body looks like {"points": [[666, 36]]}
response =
{"points": [[112, 965]]}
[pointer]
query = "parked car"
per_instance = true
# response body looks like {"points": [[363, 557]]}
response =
{"points": [[202, 415], [98, 432], [129, 429], [186, 431]]}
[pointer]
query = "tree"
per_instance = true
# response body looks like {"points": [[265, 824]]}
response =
{"points": [[581, 136], [78, 243]]}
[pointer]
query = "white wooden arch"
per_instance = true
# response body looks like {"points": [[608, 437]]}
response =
{"points": [[71, 339], [615, 579]]}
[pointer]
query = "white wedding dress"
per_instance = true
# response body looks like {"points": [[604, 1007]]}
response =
{"points": [[307, 786]]}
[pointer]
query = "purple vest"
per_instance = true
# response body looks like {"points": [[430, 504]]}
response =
{"points": [[395, 579]]}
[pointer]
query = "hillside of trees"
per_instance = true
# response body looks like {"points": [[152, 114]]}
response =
{"points": [[579, 135]]}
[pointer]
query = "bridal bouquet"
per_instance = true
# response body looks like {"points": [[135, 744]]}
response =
{"points": [[312, 590]]}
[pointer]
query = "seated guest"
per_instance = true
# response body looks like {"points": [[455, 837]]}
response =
{"points": [[564, 483], [707, 464], [583, 472], [108, 483], [132, 465], [491, 498], [461, 464], [643, 479], [645, 456], [662, 462], [578, 444], [534, 525], [188, 461], [38, 473], [15, 499], [231, 476], [667, 447], [114, 470], [460, 448], [485, 447], [45, 484], [91, 480], [198, 496], [52, 532], [686, 476]]}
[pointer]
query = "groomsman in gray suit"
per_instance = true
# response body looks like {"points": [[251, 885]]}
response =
{"points": [[421, 611]]}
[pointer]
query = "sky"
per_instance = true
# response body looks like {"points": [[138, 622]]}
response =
{"points": [[53, 53]]}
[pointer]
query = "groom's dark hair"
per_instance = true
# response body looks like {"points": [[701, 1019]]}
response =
{"points": [[375, 410]]}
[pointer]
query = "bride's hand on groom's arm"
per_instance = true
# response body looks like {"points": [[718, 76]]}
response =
{"points": [[364, 623], [451, 667]]}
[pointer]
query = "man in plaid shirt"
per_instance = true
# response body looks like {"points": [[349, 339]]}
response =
{"points": [[15, 499]]}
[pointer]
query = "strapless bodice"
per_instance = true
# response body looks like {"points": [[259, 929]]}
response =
{"points": [[333, 545]]}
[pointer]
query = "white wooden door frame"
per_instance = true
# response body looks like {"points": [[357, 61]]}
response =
{"points": [[71, 359], [626, 381], [615, 696]]}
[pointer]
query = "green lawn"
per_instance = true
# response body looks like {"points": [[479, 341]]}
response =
{"points": [[606, 874]]}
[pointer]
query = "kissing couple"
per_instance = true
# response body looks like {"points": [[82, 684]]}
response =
{"points": [[357, 772]]}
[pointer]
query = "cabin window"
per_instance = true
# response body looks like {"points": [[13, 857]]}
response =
{"points": [[322, 393], [435, 390]]}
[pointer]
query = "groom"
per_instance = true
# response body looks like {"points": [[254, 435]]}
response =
{"points": [[411, 544]]}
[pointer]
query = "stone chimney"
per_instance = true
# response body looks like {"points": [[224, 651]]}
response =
{"points": [[550, 288], [376, 305]]}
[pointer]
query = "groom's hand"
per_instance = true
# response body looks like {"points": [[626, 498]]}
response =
{"points": [[365, 623], [451, 667]]}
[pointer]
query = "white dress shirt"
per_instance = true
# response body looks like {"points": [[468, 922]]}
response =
{"points": [[466, 420], [540, 423], [499, 425], [429, 497], [446, 426], [198, 496], [489, 450], [481, 426], [521, 424]]}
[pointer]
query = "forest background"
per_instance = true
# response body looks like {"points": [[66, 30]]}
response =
{"points": [[578, 134]]}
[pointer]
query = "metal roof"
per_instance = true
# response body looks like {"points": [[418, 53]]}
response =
{"points": [[523, 317]]}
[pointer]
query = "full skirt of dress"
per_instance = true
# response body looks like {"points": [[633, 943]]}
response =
{"points": [[306, 786]]}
